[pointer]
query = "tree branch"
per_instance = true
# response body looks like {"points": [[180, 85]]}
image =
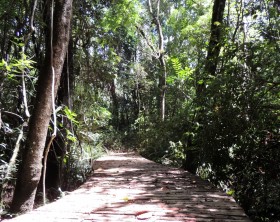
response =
{"points": [[143, 34]]}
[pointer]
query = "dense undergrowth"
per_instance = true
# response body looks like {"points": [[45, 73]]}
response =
{"points": [[243, 163]]}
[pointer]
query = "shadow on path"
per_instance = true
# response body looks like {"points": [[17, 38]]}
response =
{"points": [[127, 187]]}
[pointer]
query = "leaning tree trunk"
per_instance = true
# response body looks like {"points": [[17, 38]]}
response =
{"points": [[30, 169], [55, 162]]}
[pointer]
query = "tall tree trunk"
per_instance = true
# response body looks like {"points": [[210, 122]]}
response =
{"points": [[215, 45], [212, 59], [163, 87], [30, 169], [66, 99], [160, 54], [55, 165]]}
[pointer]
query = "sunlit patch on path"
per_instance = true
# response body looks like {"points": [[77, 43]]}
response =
{"points": [[127, 187]]}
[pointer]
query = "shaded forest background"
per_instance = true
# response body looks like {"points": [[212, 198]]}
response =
{"points": [[194, 84]]}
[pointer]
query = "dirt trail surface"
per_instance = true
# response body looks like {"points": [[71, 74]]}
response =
{"points": [[127, 187]]}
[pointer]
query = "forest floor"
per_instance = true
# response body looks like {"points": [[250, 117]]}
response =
{"points": [[127, 187]]}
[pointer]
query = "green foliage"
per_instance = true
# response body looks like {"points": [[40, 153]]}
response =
{"points": [[70, 136], [181, 74], [175, 154], [239, 111], [16, 66], [78, 163], [154, 142], [257, 175], [70, 115], [114, 16]]}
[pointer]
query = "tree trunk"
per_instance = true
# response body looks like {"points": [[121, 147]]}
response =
{"points": [[30, 169], [160, 55], [215, 45], [163, 87], [215, 38], [211, 64], [62, 144], [115, 107]]}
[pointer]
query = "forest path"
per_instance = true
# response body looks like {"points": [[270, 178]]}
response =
{"points": [[127, 187]]}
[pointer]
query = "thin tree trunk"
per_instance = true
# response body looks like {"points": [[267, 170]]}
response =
{"points": [[115, 103], [163, 87], [30, 169], [160, 55]]}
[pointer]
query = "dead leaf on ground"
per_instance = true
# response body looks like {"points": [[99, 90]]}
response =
{"points": [[165, 188], [143, 215], [141, 212]]}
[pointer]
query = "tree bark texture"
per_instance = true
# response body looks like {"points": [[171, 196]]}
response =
{"points": [[215, 37], [55, 165], [215, 45], [30, 169]]}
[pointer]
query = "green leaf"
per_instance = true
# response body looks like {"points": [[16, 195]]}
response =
{"points": [[3, 63], [217, 23], [64, 160], [8, 68], [170, 79], [70, 115], [70, 136]]}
